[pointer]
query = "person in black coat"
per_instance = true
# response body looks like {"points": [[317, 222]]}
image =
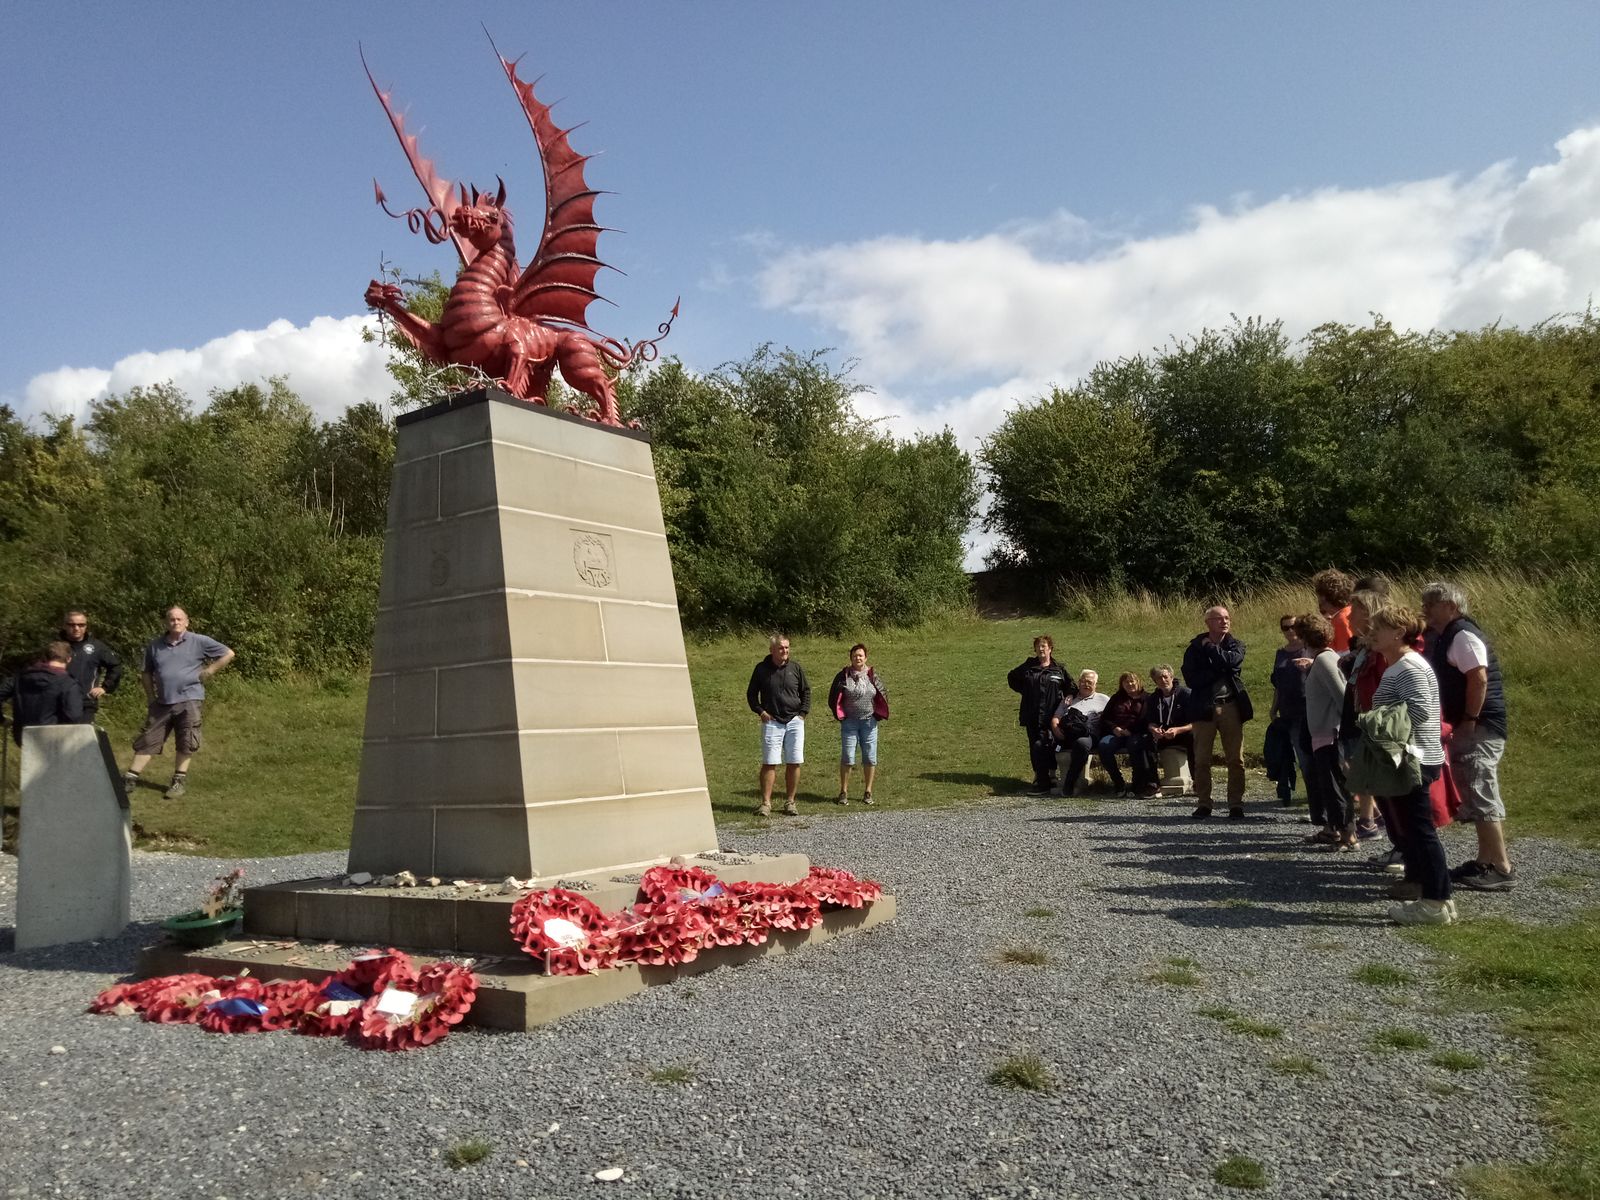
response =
{"points": [[95, 665], [44, 693], [1211, 667], [1042, 682]]}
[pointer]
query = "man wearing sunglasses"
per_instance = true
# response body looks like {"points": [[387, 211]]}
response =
{"points": [[94, 664]]}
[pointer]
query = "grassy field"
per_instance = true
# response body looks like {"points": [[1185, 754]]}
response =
{"points": [[278, 773]]}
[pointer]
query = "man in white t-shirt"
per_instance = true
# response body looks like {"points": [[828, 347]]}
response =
{"points": [[1472, 699]]}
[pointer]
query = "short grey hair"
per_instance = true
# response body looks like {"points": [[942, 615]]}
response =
{"points": [[772, 642], [1161, 669], [1216, 608], [1447, 593]]}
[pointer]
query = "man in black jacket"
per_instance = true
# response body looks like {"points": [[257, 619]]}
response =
{"points": [[44, 693], [1042, 683], [94, 664], [1472, 699], [781, 696], [1211, 667]]}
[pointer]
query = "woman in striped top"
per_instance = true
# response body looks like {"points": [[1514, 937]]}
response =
{"points": [[1409, 680]]}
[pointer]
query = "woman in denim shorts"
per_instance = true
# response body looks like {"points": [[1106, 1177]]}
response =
{"points": [[858, 702]]}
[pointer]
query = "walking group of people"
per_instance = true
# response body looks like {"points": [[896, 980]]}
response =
{"points": [[1395, 717], [66, 682]]}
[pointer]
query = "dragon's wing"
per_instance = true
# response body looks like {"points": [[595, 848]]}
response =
{"points": [[441, 192], [558, 283]]}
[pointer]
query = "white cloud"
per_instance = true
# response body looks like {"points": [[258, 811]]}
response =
{"points": [[1046, 300], [326, 362]]}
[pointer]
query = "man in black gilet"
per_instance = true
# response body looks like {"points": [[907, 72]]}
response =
{"points": [[1472, 699]]}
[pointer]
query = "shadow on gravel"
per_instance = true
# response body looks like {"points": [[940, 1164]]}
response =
{"points": [[115, 955], [998, 785], [1258, 873], [1252, 916]]}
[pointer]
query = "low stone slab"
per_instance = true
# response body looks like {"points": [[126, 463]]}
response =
{"points": [[74, 841], [512, 994]]}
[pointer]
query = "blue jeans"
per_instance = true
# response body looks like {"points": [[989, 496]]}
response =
{"points": [[863, 730], [1111, 745]]}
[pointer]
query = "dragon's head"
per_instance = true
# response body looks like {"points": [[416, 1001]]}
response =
{"points": [[481, 218]]}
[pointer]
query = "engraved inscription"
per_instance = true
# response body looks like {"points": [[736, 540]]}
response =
{"points": [[592, 557]]}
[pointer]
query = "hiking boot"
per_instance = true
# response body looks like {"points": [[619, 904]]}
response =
{"points": [[1041, 787], [1201, 813], [1236, 814], [764, 809], [1489, 879], [1405, 890], [867, 799], [176, 789], [790, 809], [1468, 869], [1422, 912], [842, 798], [1392, 863]]}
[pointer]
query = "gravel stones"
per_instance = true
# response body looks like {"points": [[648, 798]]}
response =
{"points": [[858, 1066]]}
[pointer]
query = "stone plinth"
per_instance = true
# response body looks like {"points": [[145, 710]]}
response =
{"points": [[74, 845], [530, 712]]}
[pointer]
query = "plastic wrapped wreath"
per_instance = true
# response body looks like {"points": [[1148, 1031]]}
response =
{"points": [[417, 1010], [380, 1000], [565, 932]]}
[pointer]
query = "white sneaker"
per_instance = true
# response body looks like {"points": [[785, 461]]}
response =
{"points": [[1450, 907], [1392, 864], [1421, 912]]}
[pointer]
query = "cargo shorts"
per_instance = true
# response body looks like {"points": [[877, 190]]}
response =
{"points": [[1475, 763], [182, 719]]}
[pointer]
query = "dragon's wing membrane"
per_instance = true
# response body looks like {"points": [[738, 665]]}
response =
{"points": [[558, 283], [441, 192]]}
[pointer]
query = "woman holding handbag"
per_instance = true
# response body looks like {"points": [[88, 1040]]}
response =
{"points": [[858, 702]]}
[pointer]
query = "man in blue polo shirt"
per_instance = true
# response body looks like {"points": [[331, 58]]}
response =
{"points": [[176, 666]]}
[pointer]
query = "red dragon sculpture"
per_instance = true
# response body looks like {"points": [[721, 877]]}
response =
{"points": [[513, 323]]}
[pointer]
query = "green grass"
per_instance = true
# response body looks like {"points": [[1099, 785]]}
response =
{"points": [[1382, 975], [1238, 1023], [1181, 961], [1023, 1072], [278, 772], [1176, 976], [464, 1154], [1396, 1038], [1296, 1064], [1567, 883], [1250, 1027], [1544, 981], [1025, 956], [1238, 1171], [670, 1074], [1457, 1060]]}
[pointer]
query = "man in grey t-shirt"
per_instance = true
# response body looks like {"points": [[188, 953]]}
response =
{"points": [[176, 666]]}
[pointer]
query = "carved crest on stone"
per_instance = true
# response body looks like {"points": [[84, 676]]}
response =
{"points": [[591, 555]]}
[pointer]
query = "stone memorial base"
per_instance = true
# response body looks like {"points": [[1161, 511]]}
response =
{"points": [[530, 716], [309, 928], [74, 840]]}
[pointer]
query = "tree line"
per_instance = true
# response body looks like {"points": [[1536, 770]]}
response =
{"points": [[783, 506], [1237, 457], [1222, 462]]}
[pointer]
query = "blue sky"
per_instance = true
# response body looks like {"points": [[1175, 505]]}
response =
{"points": [[973, 200]]}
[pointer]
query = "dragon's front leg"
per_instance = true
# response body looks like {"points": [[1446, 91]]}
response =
{"points": [[424, 335]]}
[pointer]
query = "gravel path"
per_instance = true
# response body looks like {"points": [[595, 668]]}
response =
{"points": [[854, 1068]]}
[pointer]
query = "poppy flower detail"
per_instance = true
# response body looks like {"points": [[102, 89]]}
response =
{"points": [[419, 1013], [840, 889], [564, 931]]}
